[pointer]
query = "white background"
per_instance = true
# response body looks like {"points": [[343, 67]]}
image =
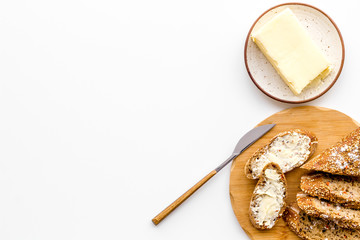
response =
{"points": [[110, 110]]}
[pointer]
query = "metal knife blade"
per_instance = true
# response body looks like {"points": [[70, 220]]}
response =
{"points": [[252, 136], [246, 141]]}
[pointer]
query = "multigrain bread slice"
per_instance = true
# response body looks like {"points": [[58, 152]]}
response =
{"points": [[268, 199], [344, 217], [288, 149], [343, 158], [312, 228], [335, 188]]}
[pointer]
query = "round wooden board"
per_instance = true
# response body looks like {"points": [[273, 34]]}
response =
{"points": [[328, 125]]}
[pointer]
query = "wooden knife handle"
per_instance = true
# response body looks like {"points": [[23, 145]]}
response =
{"points": [[156, 220]]}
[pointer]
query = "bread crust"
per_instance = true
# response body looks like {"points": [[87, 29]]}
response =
{"points": [[313, 145], [344, 217], [262, 181], [343, 158], [334, 188], [292, 218], [312, 228]]}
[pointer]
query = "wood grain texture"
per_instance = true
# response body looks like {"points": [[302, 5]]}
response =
{"points": [[328, 125], [163, 214]]}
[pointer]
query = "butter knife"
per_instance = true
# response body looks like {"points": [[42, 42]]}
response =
{"points": [[246, 141]]}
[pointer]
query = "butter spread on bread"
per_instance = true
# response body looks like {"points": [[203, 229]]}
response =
{"points": [[288, 149], [268, 199]]}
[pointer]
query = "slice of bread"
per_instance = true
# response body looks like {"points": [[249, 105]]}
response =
{"points": [[268, 199], [312, 228], [335, 188], [288, 149], [344, 217], [343, 158]]}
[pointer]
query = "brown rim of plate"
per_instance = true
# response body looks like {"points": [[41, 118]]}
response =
{"points": [[342, 60]]}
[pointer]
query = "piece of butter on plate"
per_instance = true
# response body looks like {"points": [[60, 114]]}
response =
{"points": [[291, 51]]}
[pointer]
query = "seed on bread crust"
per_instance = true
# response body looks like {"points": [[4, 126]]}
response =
{"points": [[343, 158], [335, 188], [313, 228], [344, 217]]}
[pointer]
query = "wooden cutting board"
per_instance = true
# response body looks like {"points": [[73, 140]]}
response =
{"points": [[328, 125]]}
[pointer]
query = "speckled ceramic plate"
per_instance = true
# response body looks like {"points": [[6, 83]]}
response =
{"points": [[322, 30]]}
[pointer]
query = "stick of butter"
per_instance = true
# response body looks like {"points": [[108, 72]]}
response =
{"points": [[291, 51]]}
